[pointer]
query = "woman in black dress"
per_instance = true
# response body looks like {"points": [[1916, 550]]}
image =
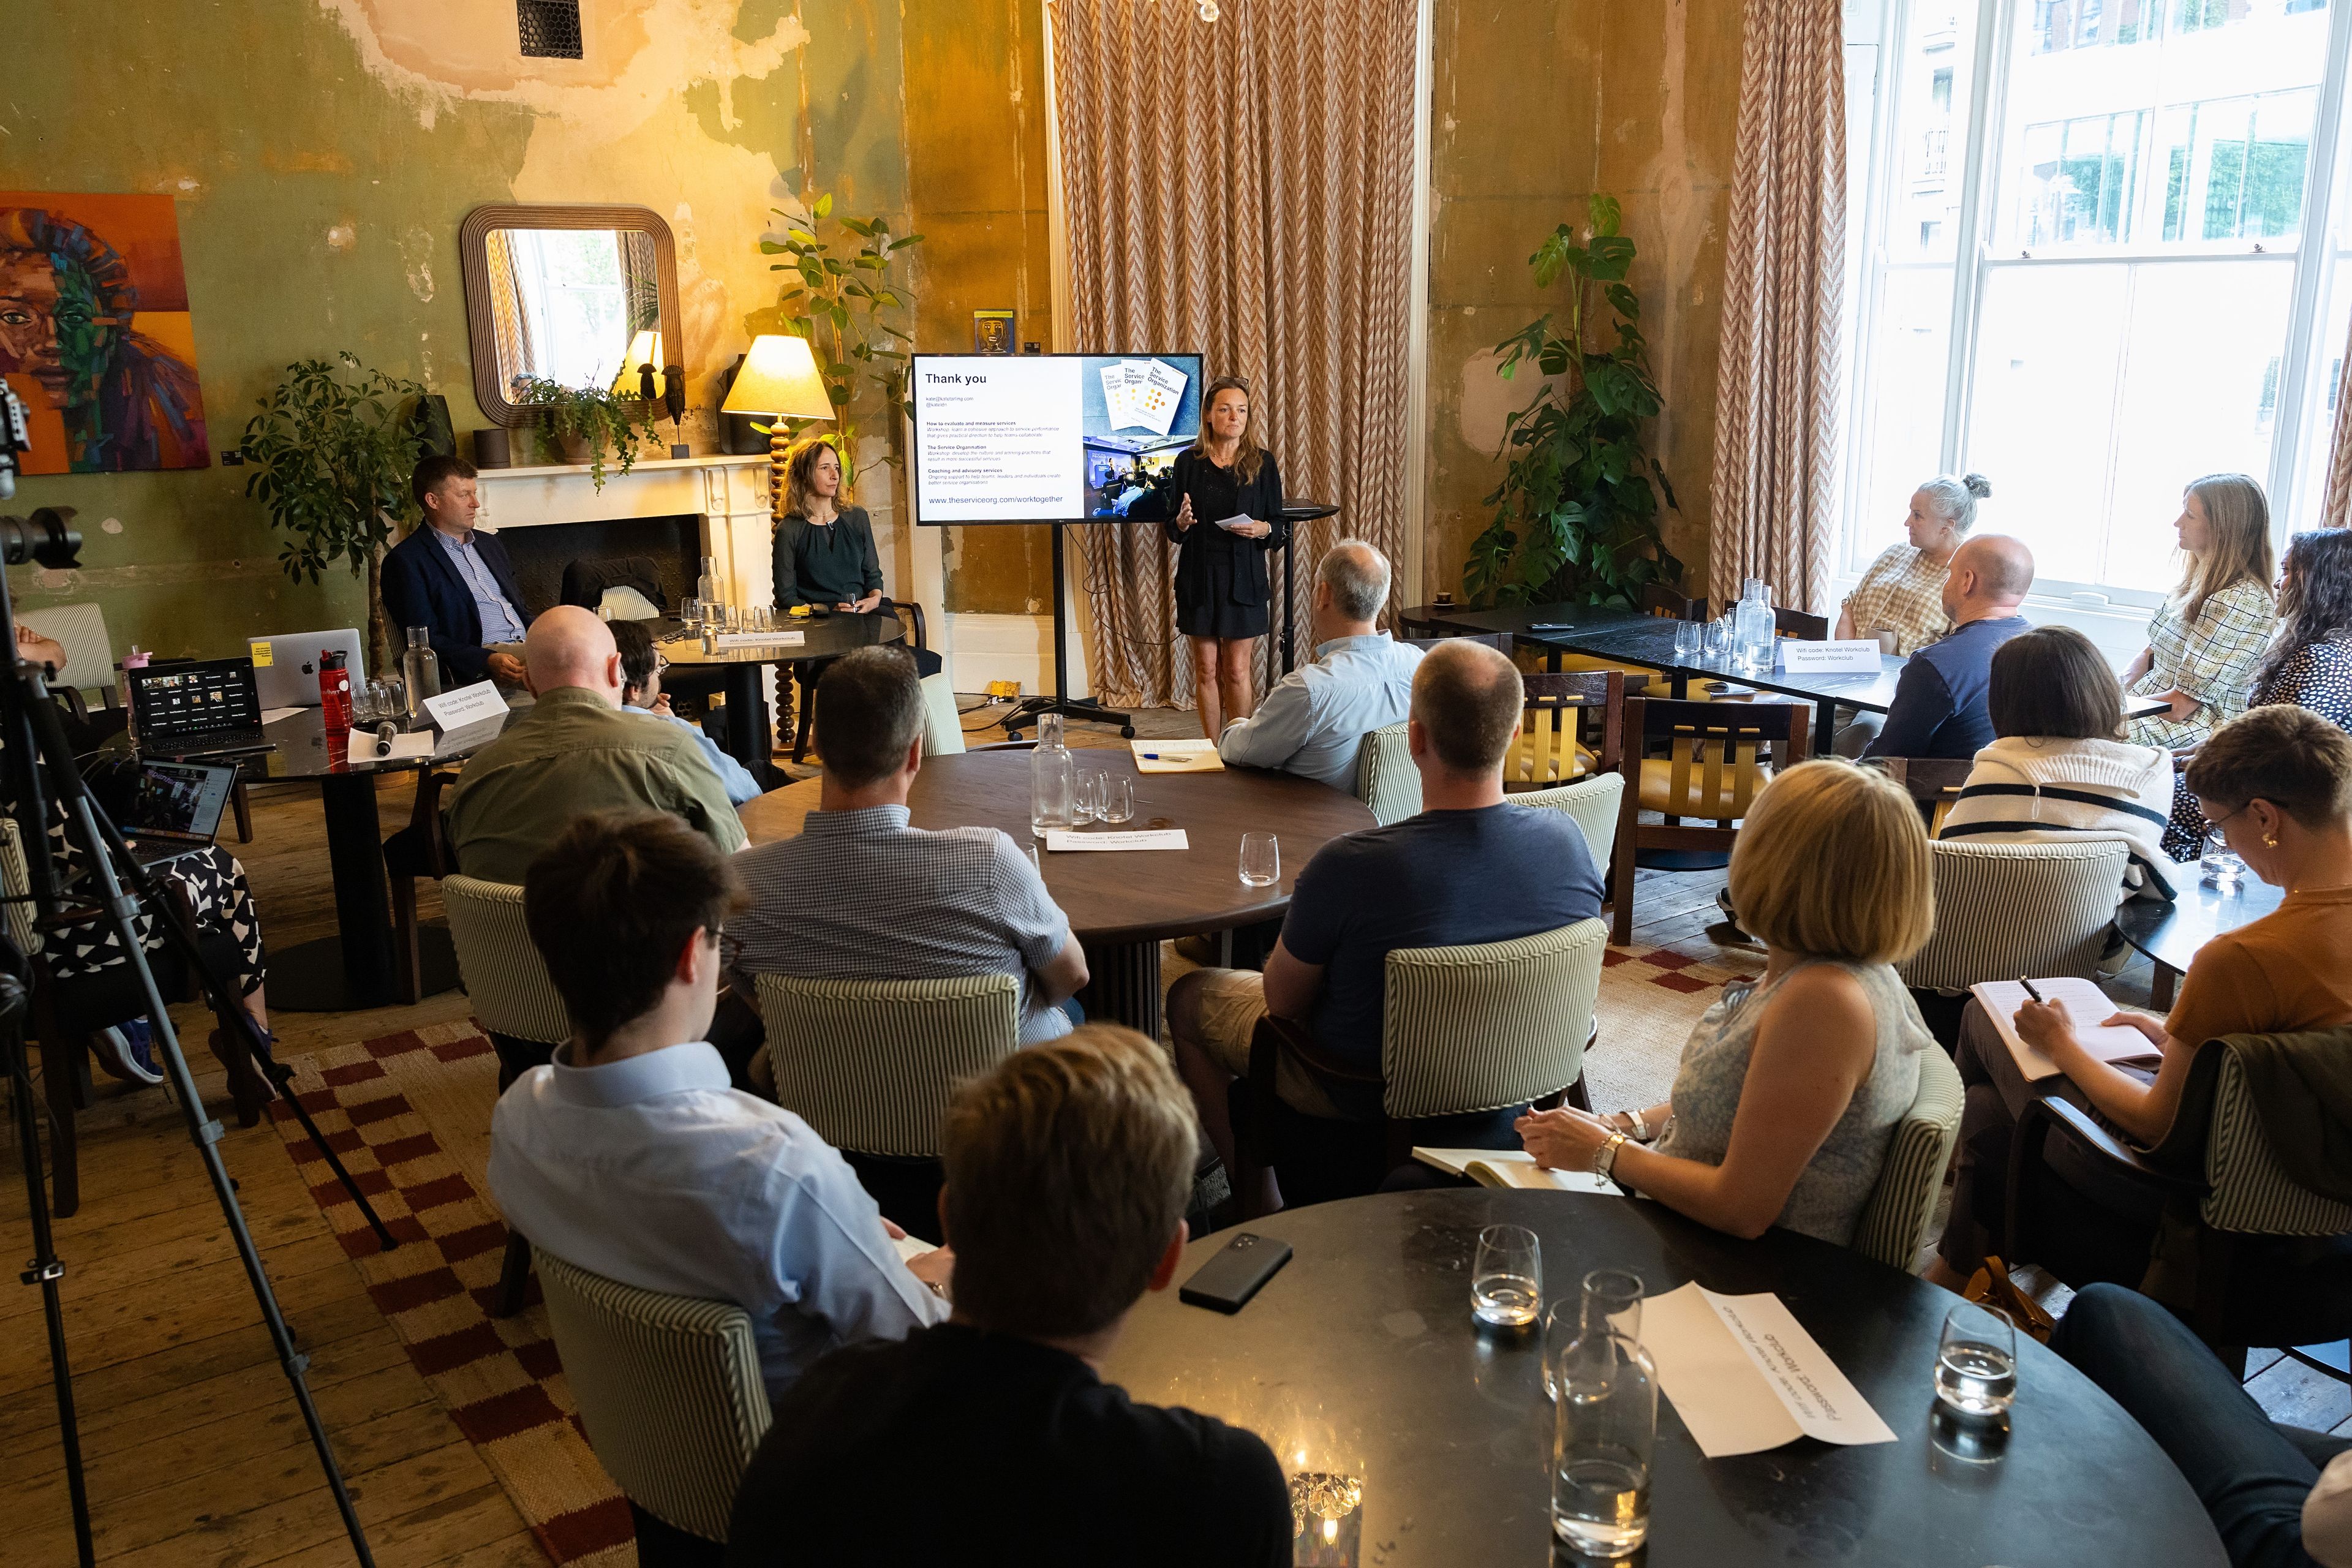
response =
{"points": [[1221, 588]]}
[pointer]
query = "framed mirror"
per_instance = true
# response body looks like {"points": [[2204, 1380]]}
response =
{"points": [[580, 295]]}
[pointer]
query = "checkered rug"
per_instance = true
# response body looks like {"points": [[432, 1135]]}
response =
{"points": [[410, 1115]]}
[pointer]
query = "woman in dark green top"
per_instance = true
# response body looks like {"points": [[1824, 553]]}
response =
{"points": [[824, 551]]}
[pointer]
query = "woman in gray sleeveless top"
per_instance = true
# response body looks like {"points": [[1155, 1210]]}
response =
{"points": [[1832, 873]]}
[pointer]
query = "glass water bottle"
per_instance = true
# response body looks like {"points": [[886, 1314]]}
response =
{"points": [[420, 670], [1050, 777]]}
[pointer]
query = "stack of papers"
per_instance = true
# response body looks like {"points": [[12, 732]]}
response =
{"points": [[1512, 1168], [1176, 757], [1745, 1376], [1143, 393], [2085, 1003]]}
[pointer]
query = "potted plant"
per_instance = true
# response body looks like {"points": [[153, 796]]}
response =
{"points": [[331, 459], [1576, 517], [587, 423]]}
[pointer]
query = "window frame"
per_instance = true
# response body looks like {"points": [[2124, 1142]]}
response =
{"points": [[2323, 240]]}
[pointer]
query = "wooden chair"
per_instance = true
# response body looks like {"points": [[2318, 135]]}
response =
{"points": [[424, 852], [2007, 909], [1548, 752], [1714, 766], [2255, 1258], [1657, 599], [1464, 1031], [669, 1394], [1800, 625], [517, 1006], [1933, 783], [806, 673], [1894, 1224], [870, 1065]]}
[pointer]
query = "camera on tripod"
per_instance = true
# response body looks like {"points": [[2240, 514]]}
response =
{"points": [[48, 538]]}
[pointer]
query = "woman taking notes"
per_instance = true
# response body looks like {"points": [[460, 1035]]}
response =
{"points": [[2204, 643], [825, 550], [1789, 1090], [1231, 515]]}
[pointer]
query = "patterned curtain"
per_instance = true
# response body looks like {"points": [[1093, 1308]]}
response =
{"points": [[1774, 494], [2336, 507], [510, 322], [1244, 187], [640, 283]]}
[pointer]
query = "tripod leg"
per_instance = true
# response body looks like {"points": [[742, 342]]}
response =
{"points": [[57, 1056], [46, 1270]]}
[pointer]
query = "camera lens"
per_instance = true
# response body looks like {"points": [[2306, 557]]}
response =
{"points": [[45, 538]]}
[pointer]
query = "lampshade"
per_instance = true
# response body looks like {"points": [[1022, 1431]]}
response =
{"points": [[646, 349], [779, 381]]}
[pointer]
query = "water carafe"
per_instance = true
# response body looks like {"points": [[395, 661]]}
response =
{"points": [[1752, 626], [706, 587], [420, 670], [1051, 776]]}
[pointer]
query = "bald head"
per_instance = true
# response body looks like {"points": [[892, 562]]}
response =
{"points": [[1466, 698], [569, 646], [1989, 576]]}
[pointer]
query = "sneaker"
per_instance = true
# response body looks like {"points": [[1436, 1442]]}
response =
{"points": [[128, 1051]]}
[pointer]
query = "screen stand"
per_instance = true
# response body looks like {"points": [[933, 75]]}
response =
{"points": [[1082, 707]]}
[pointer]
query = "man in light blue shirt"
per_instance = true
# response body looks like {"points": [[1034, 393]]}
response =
{"points": [[631, 1157], [1315, 720], [641, 692]]}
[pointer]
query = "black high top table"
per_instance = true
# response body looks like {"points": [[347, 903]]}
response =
{"points": [[1361, 1356]]}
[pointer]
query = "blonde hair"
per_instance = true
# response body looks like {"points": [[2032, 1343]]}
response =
{"points": [[1833, 862], [800, 472], [1246, 451], [1068, 1169], [2240, 517]]}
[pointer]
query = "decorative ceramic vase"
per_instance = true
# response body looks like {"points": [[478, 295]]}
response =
{"points": [[572, 448]]}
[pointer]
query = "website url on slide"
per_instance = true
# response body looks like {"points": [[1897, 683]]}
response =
{"points": [[1049, 497]]}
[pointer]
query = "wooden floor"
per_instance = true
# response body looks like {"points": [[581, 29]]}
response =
{"points": [[196, 1452]]}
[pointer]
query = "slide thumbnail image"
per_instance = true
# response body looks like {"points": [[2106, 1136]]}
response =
{"points": [[1139, 413]]}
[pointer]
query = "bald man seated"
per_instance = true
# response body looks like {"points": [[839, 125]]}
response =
{"points": [[1939, 702], [574, 752]]}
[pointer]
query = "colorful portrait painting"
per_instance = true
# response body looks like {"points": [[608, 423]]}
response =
{"points": [[95, 335]]}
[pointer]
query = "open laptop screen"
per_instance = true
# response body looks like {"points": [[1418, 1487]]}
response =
{"points": [[180, 798], [176, 700]]}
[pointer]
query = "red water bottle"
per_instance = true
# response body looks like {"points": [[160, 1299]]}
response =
{"points": [[334, 693]]}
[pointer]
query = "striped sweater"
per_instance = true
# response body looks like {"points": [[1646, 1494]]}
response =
{"points": [[2023, 789]]}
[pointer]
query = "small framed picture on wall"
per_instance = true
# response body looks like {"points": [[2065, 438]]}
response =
{"points": [[991, 331]]}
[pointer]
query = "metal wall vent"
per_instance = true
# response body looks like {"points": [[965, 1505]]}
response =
{"points": [[550, 28]]}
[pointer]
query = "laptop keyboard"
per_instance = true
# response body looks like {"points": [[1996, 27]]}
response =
{"points": [[214, 741]]}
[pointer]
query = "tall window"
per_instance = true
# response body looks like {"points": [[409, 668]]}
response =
{"points": [[2107, 266]]}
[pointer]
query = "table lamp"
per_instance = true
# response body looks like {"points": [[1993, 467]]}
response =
{"points": [[780, 381]]}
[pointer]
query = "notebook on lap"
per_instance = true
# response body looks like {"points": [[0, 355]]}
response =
{"points": [[196, 708]]}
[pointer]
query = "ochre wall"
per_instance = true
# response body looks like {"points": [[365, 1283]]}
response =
{"points": [[1533, 108], [323, 153]]}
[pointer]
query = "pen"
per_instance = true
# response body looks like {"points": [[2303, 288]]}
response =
{"points": [[2030, 991]]}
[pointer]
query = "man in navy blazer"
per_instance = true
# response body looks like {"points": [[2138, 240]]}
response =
{"points": [[457, 583]]}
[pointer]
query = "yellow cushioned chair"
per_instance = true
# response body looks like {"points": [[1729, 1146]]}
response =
{"points": [[1714, 768]]}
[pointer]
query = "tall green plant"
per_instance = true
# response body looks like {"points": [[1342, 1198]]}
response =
{"points": [[331, 461], [842, 293], [1576, 518]]}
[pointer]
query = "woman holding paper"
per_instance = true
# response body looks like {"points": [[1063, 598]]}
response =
{"points": [[2276, 784], [1789, 1091], [1229, 516]]}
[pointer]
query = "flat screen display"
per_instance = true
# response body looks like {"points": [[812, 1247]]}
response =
{"points": [[1046, 437]]}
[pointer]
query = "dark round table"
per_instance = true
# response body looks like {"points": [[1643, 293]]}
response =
{"points": [[1123, 904], [1361, 1358], [750, 731], [2171, 933]]}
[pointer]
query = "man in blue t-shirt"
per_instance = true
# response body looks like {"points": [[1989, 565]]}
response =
{"points": [[1940, 701], [1469, 868]]}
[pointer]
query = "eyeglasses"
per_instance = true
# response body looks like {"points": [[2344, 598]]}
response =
{"points": [[2215, 824], [660, 664]]}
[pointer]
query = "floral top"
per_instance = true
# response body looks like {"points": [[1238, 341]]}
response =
{"points": [[2212, 661], [1902, 592]]}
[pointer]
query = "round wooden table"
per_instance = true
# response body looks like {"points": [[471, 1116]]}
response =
{"points": [[1123, 904], [2171, 933], [1360, 1359]]}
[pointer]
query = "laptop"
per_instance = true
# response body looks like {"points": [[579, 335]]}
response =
{"points": [[176, 808], [196, 708], [286, 666]]}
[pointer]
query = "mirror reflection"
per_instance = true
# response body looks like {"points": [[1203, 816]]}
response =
{"points": [[580, 307]]}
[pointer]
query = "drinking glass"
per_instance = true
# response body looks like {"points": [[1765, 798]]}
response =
{"points": [[1119, 798], [1086, 796], [1608, 1302], [689, 613], [1719, 640], [1261, 860], [1690, 641], [2222, 868], [1604, 1430], [1976, 1361], [1507, 1278]]}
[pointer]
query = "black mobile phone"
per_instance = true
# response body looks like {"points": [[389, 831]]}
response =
{"points": [[1227, 1281]]}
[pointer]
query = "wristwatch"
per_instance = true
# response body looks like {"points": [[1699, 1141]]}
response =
{"points": [[1639, 1129], [1604, 1158]]}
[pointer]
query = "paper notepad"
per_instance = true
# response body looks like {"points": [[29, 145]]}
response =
{"points": [[1745, 1376], [271, 715], [1148, 839], [1176, 757], [2085, 1003], [1512, 1168], [911, 1248]]}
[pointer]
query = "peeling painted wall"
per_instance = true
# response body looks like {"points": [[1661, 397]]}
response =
{"points": [[1534, 107], [324, 153]]}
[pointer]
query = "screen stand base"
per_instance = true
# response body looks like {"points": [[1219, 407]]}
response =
{"points": [[1084, 709]]}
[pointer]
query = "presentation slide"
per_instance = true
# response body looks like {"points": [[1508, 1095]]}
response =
{"points": [[1047, 438]]}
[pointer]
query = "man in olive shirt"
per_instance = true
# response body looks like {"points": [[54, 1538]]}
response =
{"points": [[574, 752]]}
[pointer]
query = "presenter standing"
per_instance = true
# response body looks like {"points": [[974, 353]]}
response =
{"points": [[1229, 517]]}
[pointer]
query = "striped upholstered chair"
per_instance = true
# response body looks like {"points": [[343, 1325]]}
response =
{"points": [[2007, 909], [517, 1006], [1592, 803], [668, 1389], [2255, 1258], [1465, 1031], [871, 1064], [1894, 1224], [1386, 779]]}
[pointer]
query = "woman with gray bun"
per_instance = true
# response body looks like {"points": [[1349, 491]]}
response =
{"points": [[1900, 599]]}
